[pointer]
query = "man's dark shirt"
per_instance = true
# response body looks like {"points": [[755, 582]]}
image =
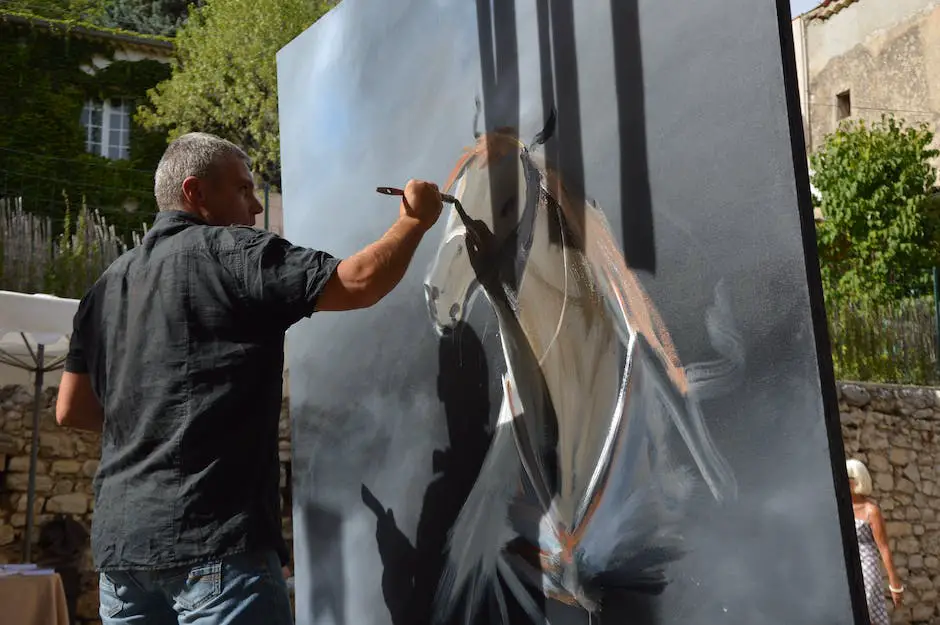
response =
{"points": [[183, 339]]}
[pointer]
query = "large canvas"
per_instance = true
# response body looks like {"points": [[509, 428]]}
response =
{"points": [[597, 395]]}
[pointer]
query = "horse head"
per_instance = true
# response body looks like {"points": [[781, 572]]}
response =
{"points": [[489, 230]]}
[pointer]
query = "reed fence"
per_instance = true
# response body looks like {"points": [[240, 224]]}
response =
{"points": [[894, 343], [35, 260]]}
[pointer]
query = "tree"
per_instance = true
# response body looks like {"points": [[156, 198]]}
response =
{"points": [[879, 240], [225, 77], [151, 17], [71, 10]]}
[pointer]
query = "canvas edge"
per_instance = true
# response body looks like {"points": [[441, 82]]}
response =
{"points": [[818, 314]]}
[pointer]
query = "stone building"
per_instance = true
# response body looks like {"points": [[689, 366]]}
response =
{"points": [[864, 58]]}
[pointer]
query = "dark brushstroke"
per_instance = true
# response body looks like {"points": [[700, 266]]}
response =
{"points": [[636, 205], [398, 560], [327, 593], [565, 152], [499, 66], [411, 573]]}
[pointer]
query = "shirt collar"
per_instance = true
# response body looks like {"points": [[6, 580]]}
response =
{"points": [[176, 215]]}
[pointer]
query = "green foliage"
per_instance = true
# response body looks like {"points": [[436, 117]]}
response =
{"points": [[42, 143], [69, 10], [892, 342], [225, 79], [156, 17], [880, 236]]}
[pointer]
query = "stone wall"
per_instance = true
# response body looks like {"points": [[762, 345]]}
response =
{"points": [[895, 431], [67, 463]]}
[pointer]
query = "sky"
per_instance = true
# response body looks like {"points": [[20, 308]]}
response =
{"points": [[801, 6]]}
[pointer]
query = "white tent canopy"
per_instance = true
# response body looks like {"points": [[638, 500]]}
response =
{"points": [[34, 335], [42, 319]]}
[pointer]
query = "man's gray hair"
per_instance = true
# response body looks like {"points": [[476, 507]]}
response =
{"points": [[192, 154]]}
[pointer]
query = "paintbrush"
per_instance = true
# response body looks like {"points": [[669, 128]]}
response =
{"points": [[450, 199]]}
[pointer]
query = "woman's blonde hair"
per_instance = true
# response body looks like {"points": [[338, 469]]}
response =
{"points": [[860, 474]]}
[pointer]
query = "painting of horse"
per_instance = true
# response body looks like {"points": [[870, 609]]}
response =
{"points": [[580, 495]]}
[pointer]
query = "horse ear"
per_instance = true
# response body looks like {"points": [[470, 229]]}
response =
{"points": [[547, 131]]}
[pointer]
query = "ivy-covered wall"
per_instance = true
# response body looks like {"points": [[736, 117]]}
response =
{"points": [[42, 142]]}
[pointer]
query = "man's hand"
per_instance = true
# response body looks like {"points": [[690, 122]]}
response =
{"points": [[422, 203]]}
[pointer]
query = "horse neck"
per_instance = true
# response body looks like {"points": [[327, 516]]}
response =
{"points": [[566, 321]]}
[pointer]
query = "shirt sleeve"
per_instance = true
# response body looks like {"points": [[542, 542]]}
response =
{"points": [[285, 280], [76, 361]]}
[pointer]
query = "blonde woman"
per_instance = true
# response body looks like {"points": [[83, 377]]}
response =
{"points": [[872, 545]]}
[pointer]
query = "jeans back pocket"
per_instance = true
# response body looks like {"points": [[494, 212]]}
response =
{"points": [[200, 585]]}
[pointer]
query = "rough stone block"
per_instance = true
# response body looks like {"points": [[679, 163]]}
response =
{"points": [[899, 457], [854, 395], [7, 534], [90, 468], [67, 467], [878, 463], [20, 464], [73, 503], [899, 529], [20, 482], [908, 545], [922, 612], [912, 473], [916, 562], [62, 487], [884, 482], [23, 501], [57, 444], [905, 486]]}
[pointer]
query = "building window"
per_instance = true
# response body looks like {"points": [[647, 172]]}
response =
{"points": [[843, 105], [107, 127]]}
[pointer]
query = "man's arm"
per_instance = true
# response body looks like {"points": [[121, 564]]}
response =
{"points": [[285, 283], [364, 278], [77, 406]]}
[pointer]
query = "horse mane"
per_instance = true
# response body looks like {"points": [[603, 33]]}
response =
{"points": [[593, 236], [490, 146]]}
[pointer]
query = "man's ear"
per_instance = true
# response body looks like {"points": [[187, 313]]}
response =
{"points": [[192, 191]]}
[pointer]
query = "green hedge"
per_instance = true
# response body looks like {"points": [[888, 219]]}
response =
{"points": [[42, 143]]}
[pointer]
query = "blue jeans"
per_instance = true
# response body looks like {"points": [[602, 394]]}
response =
{"points": [[245, 589]]}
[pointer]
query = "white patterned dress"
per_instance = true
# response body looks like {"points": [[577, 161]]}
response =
{"points": [[871, 572]]}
